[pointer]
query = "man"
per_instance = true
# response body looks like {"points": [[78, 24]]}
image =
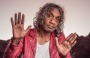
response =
{"points": [[45, 40]]}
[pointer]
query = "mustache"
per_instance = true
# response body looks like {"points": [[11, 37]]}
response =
{"points": [[50, 26]]}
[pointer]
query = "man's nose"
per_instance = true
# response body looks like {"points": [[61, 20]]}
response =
{"points": [[52, 20]]}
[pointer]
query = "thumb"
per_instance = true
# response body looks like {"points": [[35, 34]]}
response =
{"points": [[28, 28], [57, 43]]}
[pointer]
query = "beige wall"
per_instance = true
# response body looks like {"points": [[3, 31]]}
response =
{"points": [[77, 14]]}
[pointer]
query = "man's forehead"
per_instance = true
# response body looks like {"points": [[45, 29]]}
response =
{"points": [[55, 12]]}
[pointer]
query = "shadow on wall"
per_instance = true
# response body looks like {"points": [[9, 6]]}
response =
{"points": [[82, 47], [80, 50]]}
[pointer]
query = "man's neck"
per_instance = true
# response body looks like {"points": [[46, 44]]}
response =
{"points": [[43, 36]]}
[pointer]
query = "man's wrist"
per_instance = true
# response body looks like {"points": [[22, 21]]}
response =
{"points": [[15, 41], [62, 56]]}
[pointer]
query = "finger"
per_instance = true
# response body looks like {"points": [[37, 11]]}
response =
{"points": [[66, 44], [69, 36], [73, 37], [19, 17], [28, 28], [74, 43], [12, 22], [15, 17], [23, 17], [57, 43]]}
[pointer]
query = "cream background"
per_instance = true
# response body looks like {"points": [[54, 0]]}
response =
{"points": [[77, 14]]}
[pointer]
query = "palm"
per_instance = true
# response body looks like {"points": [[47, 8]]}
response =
{"points": [[63, 49], [18, 26], [18, 31], [67, 45]]}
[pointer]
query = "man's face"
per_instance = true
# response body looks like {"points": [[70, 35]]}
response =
{"points": [[52, 20]]}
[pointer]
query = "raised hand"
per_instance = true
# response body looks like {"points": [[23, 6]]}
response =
{"points": [[67, 45], [18, 27]]}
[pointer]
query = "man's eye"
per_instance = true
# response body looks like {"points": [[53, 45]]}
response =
{"points": [[58, 18], [49, 15]]}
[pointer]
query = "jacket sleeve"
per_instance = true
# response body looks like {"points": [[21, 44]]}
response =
{"points": [[62, 38], [13, 51]]}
